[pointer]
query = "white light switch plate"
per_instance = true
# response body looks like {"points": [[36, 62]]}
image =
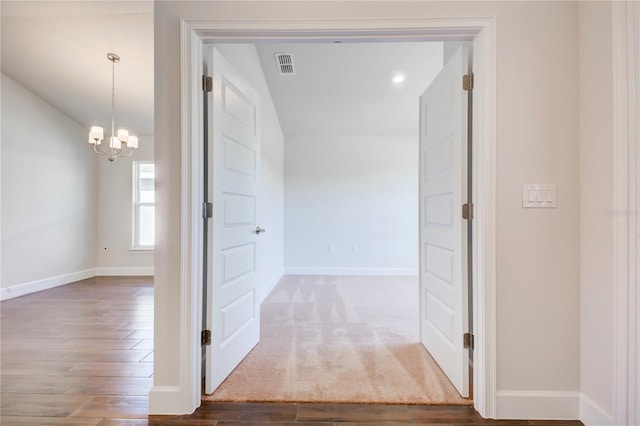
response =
{"points": [[536, 195]]}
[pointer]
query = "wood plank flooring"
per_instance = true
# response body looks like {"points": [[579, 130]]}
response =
{"points": [[81, 354], [78, 354], [290, 414]]}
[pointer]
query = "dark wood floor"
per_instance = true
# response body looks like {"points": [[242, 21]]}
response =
{"points": [[82, 354], [228, 414], [77, 354]]}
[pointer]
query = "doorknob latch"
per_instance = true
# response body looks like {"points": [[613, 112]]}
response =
{"points": [[259, 230]]}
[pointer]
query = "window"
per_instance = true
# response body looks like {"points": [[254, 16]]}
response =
{"points": [[144, 205]]}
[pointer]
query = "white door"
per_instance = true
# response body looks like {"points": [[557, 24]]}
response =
{"points": [[443, 232], [233, 309]]}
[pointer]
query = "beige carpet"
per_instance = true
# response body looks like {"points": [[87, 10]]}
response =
{"points": [[340, 339]]}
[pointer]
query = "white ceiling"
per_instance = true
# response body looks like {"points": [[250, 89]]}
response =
{"points": [[58, 50], [346, 88]]}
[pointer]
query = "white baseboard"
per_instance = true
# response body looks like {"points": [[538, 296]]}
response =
{"points": [[166, 400], [265, 292], [538, 405], [44, 284], [592, 414], [297, 270], [124, 271]]}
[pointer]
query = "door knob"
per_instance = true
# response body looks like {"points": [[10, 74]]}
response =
{"points": [[259, 230]]}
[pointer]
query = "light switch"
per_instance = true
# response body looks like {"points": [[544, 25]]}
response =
{"points": [[536, 195]]}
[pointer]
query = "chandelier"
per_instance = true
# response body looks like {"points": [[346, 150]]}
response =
{"points": [[121, 144]]}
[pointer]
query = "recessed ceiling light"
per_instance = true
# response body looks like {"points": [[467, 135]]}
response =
{"points": [[398, 78]]}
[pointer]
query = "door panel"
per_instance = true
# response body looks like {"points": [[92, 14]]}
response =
{"points": [[443, 232], [233, 310]]}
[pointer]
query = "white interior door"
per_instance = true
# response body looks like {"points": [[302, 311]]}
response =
{"points": [[443, 232], [233, 308]]}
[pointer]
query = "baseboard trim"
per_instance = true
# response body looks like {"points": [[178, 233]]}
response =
{"points": [[166, 400], [592, 414], [44, 284], [124, 271], [271, 286], [538, 405], [296, 270]]}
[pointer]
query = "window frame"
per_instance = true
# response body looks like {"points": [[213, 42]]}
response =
{"points": [[136, 204]]}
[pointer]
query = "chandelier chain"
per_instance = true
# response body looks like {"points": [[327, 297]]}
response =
{"points": [[113, 97]]}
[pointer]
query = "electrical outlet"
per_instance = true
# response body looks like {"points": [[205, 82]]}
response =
{"points": [[355, 249], [372, 249], [331, 249]]}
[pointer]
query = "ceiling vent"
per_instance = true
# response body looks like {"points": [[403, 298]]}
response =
{"points": [[284, 62]]}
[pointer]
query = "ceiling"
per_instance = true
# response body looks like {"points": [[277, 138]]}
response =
{"points": [[347, 89], [58, 50]]}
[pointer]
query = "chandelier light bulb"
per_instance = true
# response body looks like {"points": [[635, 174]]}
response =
{"points": [[123, 135], [114, 143], [133, 142], [96, 135]]}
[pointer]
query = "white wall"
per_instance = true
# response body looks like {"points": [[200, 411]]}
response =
{"points": [[48, 195], [351, 192], [596, 227], [537, 249], [270, 214], [114, 220], [537, 142]]}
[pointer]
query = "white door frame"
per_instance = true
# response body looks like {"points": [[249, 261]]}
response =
{"points": [[626, 231], [193, 34]]}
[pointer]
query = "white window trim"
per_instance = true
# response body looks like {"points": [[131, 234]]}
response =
{"points": [[142, 249], [136, 204]]}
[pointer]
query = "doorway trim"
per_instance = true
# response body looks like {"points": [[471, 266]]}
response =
{"points": [[626, 231], [193, 35]]}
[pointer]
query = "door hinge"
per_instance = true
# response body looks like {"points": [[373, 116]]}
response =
{"points": [[207, 84], [467, 211], [205, 338], [467, 340], [467, 82], [207, 210]]}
